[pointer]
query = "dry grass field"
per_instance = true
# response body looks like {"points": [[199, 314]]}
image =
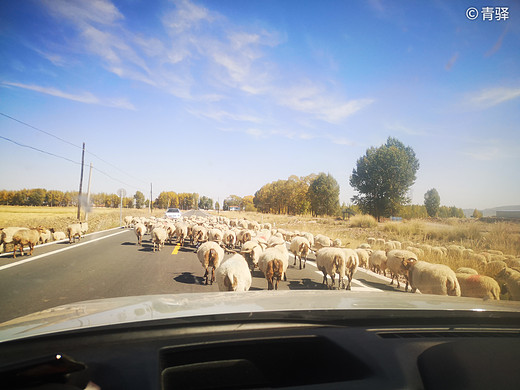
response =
{"points": [[59, 217]]}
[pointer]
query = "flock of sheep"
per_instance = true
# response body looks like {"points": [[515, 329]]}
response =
{"points": [[21, 237], [254, 245]]}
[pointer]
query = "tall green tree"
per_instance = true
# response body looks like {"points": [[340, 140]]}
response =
{"points": [[139, 199], [324, 195], [432, 201], [383, 176]]}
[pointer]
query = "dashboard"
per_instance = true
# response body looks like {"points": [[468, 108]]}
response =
{"points": [[362, 349]]}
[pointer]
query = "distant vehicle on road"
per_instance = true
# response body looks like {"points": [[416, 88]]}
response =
{"points": [[173, 213]]}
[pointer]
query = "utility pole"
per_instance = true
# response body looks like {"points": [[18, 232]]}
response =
{"points": [[81, 180], [150, 202], [88, 193]]}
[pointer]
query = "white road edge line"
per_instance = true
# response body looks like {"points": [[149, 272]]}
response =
{"points": [[58, 251]]}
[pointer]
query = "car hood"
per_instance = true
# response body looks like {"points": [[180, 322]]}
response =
{"points": [[197, 307]]}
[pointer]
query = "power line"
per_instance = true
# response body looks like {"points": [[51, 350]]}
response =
{"points": [[72, 144], [40, 150], [66, 159]]}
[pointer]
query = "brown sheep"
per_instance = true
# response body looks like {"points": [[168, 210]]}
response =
{"points": [[26, 237]]}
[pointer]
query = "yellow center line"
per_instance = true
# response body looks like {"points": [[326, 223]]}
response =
{"points": [[176, 249]]}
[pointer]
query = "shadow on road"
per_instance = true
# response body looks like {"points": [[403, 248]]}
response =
{"points": [[380, 286], [306, 284], [129, 243], [255, 289], [188, 278]]}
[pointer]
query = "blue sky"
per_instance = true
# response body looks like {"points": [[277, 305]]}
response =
{"points": [[222, 97]]}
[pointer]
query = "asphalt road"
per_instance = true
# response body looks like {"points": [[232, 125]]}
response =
{"points": [[111, 264]]}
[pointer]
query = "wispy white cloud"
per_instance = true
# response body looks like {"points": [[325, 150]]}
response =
{"points": [[399, 128], [85, 97], [452, 61], [85, 12], [222, 116], [493, 96]]}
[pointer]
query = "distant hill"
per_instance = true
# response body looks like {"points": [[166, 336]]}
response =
{"points": [[490, 212]]}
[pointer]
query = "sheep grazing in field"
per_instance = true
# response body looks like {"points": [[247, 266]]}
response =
{"points": [[139, 230], [233, 274], [210, 255], [336, 243], [331, 261], [466, 270], [159, 236], [395, 263], [478, 286], [495, 267], [73, 231], [300, 247], [377, 262], [371, 240], [273, 262], [511, 280], [251, 251], [23, 237], [432, 278]]}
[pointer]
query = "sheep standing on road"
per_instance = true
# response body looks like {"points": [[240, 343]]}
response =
{"points": [[394, 262], [251, 251], [181, 231], [140, 230], [58, 236], [233, 274], [6, 236], [432, 278], [377, 262], [300, 247], [478, 286], [73, 231], [159, 236], [199, 235], [273, 262], [229, 239], [351, 264], [45, 236], [210, 255], [24, 237], [331, 261], [321, 241]]}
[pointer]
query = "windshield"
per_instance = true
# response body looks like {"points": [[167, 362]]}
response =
{"points": [[358, 146]]}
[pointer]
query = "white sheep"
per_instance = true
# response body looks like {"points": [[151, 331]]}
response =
{"points": [[300, 247], [128, 221], [233, 274], [363, 255], [466, 270], [215, 235], [181, 231], [139, 230], [377, 262], [351, 264], [511, 279], [432, 278], [321, 241], [251, 251], [45, 236], [243, 236], [273, 262], [478, 286], [6, 235], [229, 239], [73, 231], [199, 235], [395, 263], [210, 255], [58, 236], [331, 261], [159, 236]]}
